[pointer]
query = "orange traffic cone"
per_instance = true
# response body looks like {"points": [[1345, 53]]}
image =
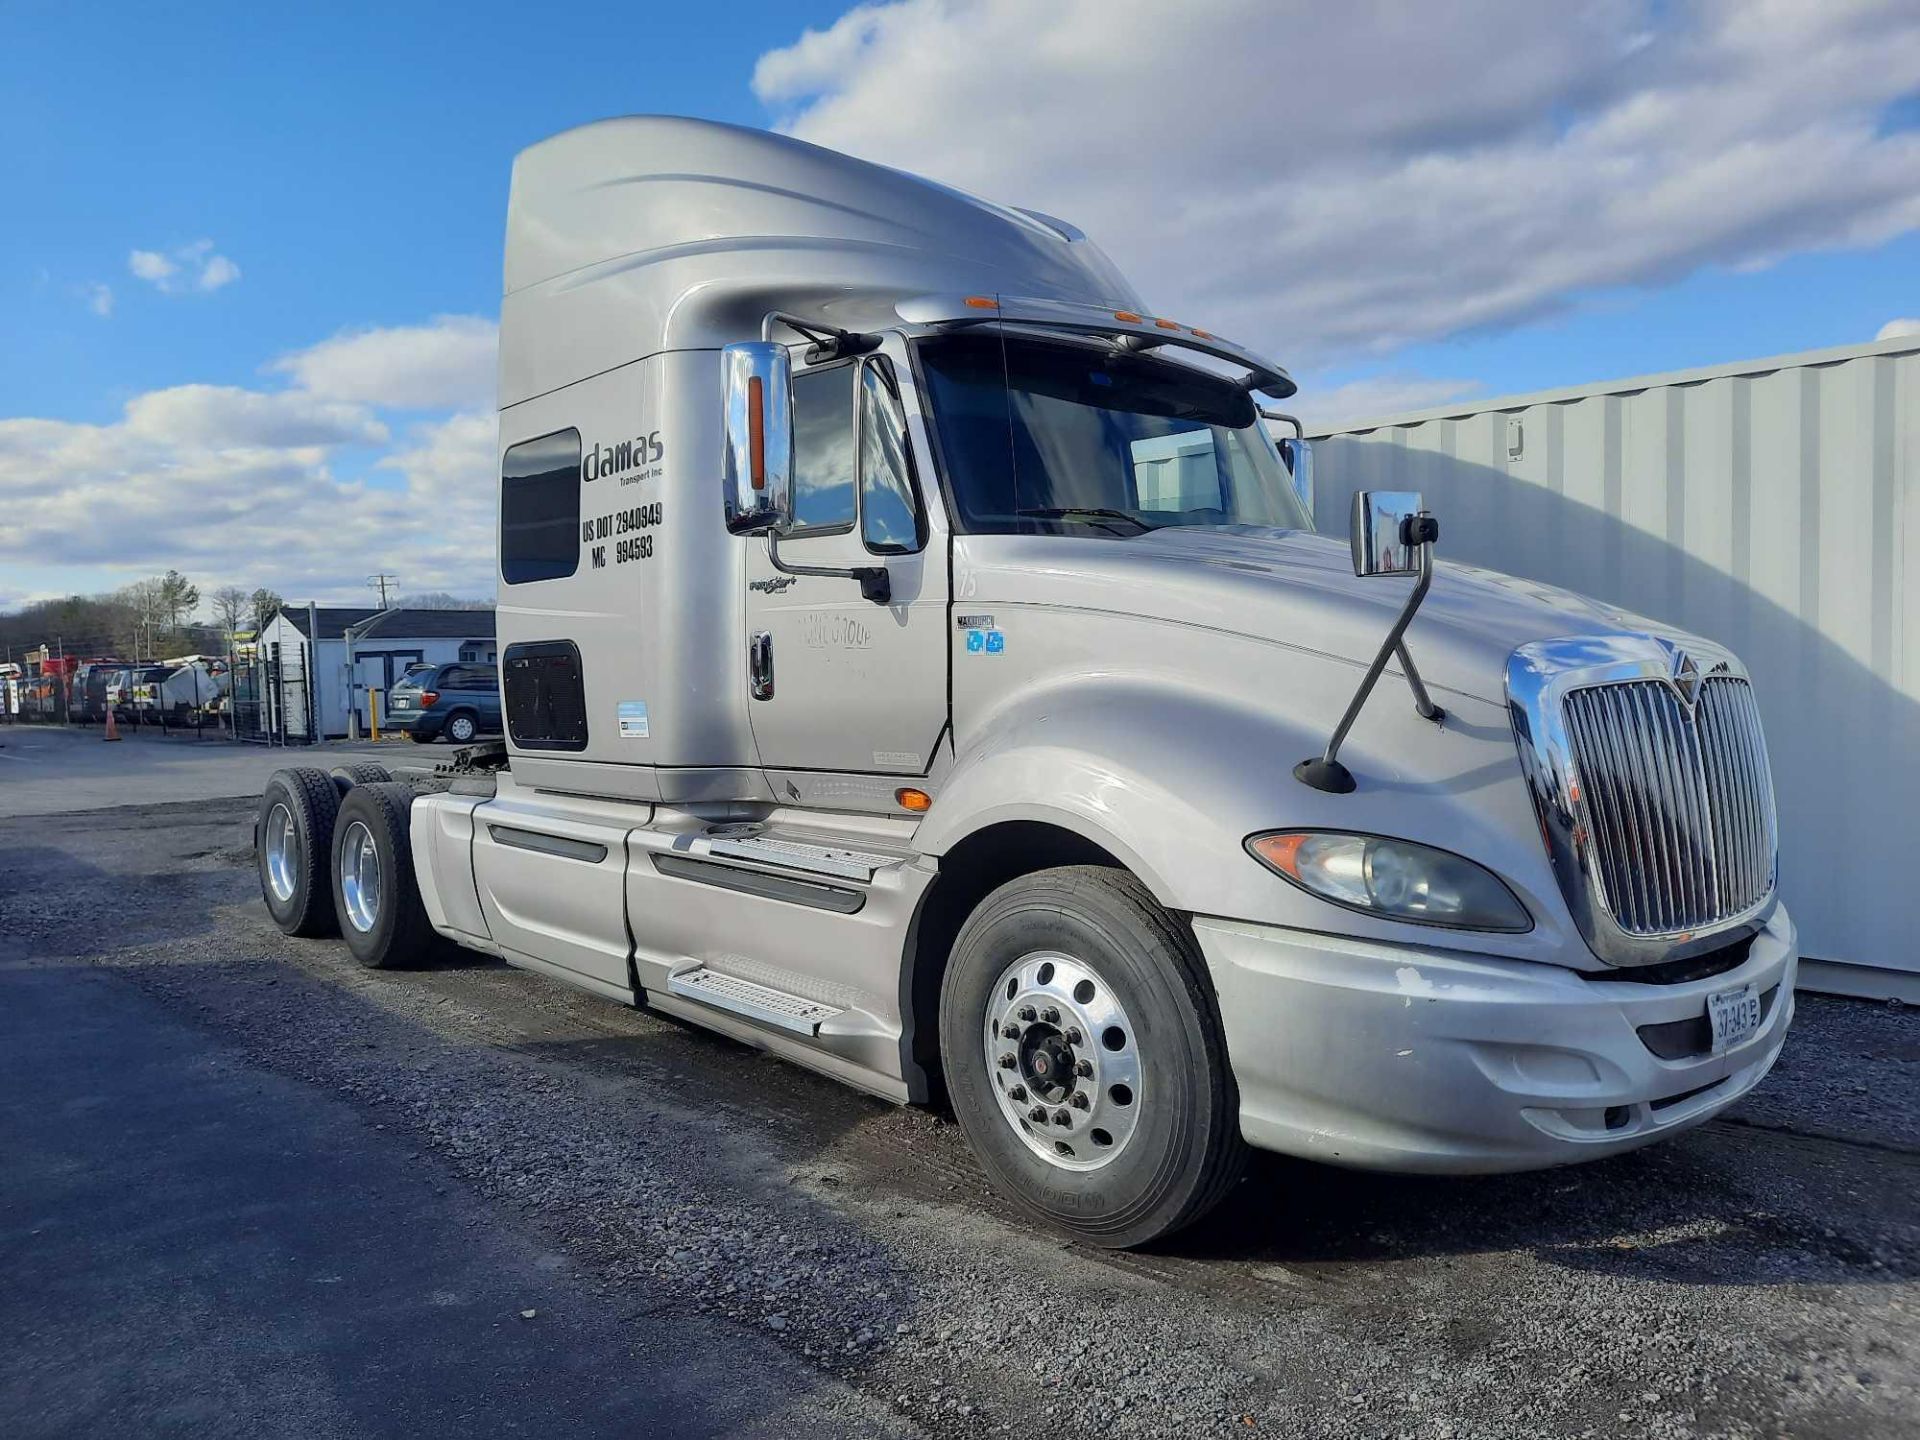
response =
{"points": [[112, 732]]}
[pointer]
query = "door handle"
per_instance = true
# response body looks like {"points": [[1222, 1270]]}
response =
{"points": [[760, 666]]}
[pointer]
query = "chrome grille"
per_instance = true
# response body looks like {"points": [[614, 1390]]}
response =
{"points": [[1675, 811]]}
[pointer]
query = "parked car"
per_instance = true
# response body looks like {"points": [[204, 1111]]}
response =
{"points": [[459, 701], [140, 696]]}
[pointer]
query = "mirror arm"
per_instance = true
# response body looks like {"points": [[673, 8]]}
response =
{"points": [[876, 581], [1325, 772]]}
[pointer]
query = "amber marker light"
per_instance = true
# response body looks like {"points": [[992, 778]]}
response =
{"points": [[911, 799], [981, 302], [1127, 317], [1280, 851], [756, 432], [1167, 324]]}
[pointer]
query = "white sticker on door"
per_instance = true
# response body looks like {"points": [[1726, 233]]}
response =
{"points": [[633, 719]]}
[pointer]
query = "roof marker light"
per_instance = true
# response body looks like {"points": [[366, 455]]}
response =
{"points": [[1127, 317], [1168, 324], [981, 302]]}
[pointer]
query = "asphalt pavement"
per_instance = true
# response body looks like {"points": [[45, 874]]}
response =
{"points": [[192, 1245], [60, 769]]}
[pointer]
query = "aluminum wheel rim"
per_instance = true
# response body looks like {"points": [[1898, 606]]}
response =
{"points": [[360, 877], [1048, 1012], [283, 851]]}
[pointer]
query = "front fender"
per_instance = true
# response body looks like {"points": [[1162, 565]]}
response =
{"points": [[1171, 780]]}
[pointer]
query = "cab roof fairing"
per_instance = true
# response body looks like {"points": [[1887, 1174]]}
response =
{"points": [[631, 236]]}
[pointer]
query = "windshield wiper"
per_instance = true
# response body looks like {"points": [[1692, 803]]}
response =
{"points": [[1095, 513]]}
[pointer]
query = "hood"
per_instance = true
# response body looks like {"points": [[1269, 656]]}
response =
{"points": [[1297, 589]]}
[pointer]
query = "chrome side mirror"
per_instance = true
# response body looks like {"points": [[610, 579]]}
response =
{"points": [[1297, 456], [759, 390], [1379, 536]]}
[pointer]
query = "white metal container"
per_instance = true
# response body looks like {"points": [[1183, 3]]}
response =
{"points": [[1773, 505]]}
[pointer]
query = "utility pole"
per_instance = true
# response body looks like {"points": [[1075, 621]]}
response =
{"points": [[382, 581]]}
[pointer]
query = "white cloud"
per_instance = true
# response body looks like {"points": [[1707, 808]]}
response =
{"points": [[152, 266], [1333, 181], [225, 417], [1322, 408], [244, 486], [189, 267], [1898, 329], [99, 299], [449, 362], [218, 271]]}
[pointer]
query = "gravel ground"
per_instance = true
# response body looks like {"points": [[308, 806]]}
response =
{"points": [[1758, 1276]]}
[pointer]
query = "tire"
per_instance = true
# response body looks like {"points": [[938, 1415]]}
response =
{"points": [[1130, 1000], [293, 849], [419, 737], [359, 772], [382, 918], [462, 727]]}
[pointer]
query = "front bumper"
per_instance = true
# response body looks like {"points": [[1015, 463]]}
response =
{"points": [[1395, 1058]]}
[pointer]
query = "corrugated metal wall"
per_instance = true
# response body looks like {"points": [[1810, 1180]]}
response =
{"points": [[1773, 506]]}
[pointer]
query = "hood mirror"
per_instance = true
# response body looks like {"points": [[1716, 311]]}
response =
{"points": [[1378, 536], [1392, 535], [759, 394]]}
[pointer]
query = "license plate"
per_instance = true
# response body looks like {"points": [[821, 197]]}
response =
{"points": [[1734, 1016], [403, 704]]}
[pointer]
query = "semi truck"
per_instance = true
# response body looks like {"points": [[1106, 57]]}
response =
{"points": [[919, 661]]}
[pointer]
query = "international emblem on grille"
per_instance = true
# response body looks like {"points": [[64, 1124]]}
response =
{"points": [[1686, 681]]}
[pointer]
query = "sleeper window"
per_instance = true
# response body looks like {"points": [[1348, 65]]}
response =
{"points": [[540, 508], [823, 454], [889, 518]]}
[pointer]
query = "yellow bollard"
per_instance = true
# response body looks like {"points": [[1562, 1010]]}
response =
{"points": [[373, 710]]}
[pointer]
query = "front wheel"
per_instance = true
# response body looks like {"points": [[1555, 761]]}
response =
{"points": [[462, 728], [1084, 1058]]}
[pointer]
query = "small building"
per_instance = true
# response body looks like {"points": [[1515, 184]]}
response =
{"points": [[307, 645]]}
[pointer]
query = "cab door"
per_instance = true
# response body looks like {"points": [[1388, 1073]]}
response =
{"points": [[839, 682]]}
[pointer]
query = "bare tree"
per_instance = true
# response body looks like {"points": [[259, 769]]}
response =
{"points": [[230, 605], [265, 604], [440, 600]]}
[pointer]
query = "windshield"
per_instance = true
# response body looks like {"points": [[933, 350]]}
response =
{"points": [[1046, 437]]}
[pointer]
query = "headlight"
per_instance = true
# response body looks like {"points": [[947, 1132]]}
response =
{"points": [[1395, 879]]}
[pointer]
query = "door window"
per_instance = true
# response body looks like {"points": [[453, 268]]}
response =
{"points": [[889, 513], [823, 450]]}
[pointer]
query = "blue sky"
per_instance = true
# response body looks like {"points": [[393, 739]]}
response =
{"points": [[251, 254], [353, 161]]}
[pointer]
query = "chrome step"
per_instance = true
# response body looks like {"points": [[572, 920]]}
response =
{"points": [[755, 1001], [837, 860]]}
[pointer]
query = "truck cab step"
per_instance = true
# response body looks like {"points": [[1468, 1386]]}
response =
{"points": [[753, 1000]]}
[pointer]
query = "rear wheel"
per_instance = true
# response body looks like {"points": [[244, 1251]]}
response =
{"points": [[293, 840], [382, 917], [420, 737], [359, 772], [1083, 1055]]}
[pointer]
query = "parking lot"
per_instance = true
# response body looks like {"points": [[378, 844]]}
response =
{"points": [[252, 1189]]}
